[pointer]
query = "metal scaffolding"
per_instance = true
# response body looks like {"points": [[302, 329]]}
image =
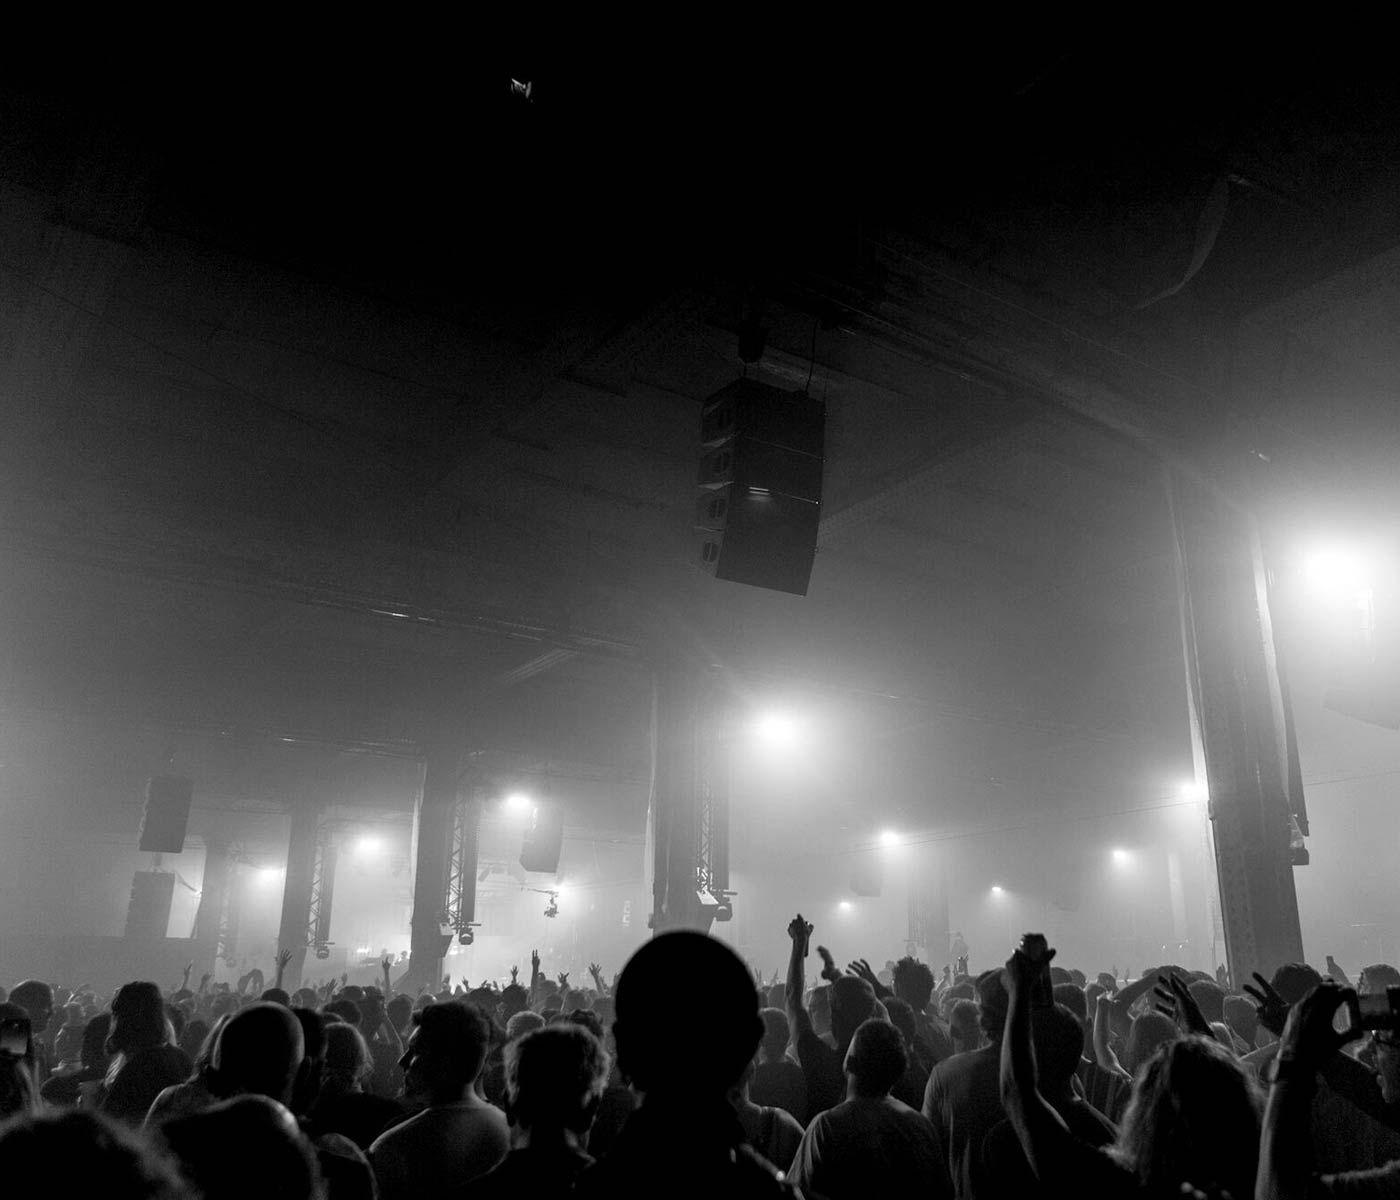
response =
{"points": [[323, 861], [459, 909]]}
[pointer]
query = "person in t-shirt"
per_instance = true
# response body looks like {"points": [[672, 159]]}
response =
{"points": [[852, 1002], [458, 1136], [1058, 1038], [963, 1098], [555, 1078], [772, 1132], [872, 1144], [778, 1082], [144, 1061]]}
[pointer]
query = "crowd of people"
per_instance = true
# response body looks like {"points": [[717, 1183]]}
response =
{"points": [[687, 1074]]}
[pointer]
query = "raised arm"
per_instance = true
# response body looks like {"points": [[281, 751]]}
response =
{"points": [[599, 982], [801, 934], [1044, 1139], [862, 969], [283, 958], [1103, 1048], [1286, 1164]]}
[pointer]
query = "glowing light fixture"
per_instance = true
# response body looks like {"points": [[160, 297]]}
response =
{"points": [[998, 890], [518, 802], [368, 845], [845, 906], [777, 728], [888, 837], [268, 874], [1121, 857]]}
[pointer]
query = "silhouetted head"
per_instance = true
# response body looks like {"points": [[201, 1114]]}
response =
{"points": [[36, 998], [1209, 997], [138, 1019], [259, 1053], [1376, 978], [901, 1014], [1149, 1031], [1058, 1037], [248, 1146], [555, 1078], [445, 1052], [1293, 981], [964, 1025], [1193, 1118], [1242, 1017], [522, 1023], [1071, 995], [347, 1056], [514, 999], [876, 1058], [93, 1053], [702, 1059], [852, 1004], [776, 1033], [84, 1153], [992, 1003], [347, 1010], [913, 983]]}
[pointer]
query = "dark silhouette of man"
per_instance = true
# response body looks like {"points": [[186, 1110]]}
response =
{"points": [[685, 1139]]}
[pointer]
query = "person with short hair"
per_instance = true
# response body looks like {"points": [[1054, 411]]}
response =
{"points": [[871, 1143], [247, 1146], [685, 1136], [458, 1136], [35, 997], [778, 1082], [555, 1079]]}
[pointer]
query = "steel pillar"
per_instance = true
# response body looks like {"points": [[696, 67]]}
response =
{"points": [[296, 891], [434, 820], [1238, 723], [460, 907], [689, 802], [213, 902], [323, 864]]}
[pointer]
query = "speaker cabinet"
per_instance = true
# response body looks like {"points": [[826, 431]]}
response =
{"points": [[760, 485], [167, 814], [543, 839], [148, 911]]}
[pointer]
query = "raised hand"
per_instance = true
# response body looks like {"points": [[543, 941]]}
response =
{"points": [[387, 965], [830, 971], [1271, 1007], [862, 969], [1174, 1000], [344, 978], [514, 974], [189, 966], [800, 931], [1309, 1035], [534, 960], [563, 981]]}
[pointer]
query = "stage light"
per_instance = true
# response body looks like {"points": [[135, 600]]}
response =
{"points": [[1195, 793], [518, 802], [776, 728], [368, 845], [998, 890], [888, 837], [268, 874], [845, 906], [1338, 568], [1121, 857]]}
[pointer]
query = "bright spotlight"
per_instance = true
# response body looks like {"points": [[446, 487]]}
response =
{"points": [[844, 906], [518, 802], [998, 890], [1121, 857], [777, 728], [1338, 569], [268, 874], [1193, 792], [369, 844], [888, 837]]}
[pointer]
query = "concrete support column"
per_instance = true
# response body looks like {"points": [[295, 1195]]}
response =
{"points": [[296, 891], [676, 799], [437, 804], [1238, 724], [213, 894]]}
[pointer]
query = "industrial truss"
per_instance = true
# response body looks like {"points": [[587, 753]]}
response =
{"points": [[318, 922], [459, 908]]}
